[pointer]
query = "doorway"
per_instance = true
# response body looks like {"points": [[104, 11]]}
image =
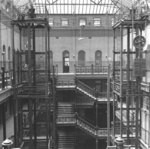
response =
{"points": [[65, 62]]}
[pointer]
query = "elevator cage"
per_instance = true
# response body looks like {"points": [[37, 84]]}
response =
{"points": [[126, 82], [32, 82]]}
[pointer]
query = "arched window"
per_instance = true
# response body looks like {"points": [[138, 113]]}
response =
{"points": [[98, 57], [66, 61], [81, 58]]}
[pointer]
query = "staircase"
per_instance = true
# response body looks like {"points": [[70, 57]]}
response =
{"points": [[91, 129], [68, 81], [85, 89], [66, 141], [83, 125], [65, 114]]}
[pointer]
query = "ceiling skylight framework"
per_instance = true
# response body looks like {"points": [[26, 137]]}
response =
{"points": [[70, 6]]}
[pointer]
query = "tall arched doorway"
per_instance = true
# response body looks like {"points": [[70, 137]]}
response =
{"points": [[81, 58], [98, 58], [65, 61]]}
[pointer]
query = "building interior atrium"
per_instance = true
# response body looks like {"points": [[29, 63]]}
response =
{"points": [[74, 74]]}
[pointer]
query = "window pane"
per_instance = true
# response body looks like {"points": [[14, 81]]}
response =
{"points": [[97, 22], [64, 22], [82, 22], [51, 22]]}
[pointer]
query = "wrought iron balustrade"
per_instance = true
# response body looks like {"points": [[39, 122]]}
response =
{"points": [[91, 69], [66, 120], [85, 87], [83, 124], [65, 83], [31, 90], [96, 131]]}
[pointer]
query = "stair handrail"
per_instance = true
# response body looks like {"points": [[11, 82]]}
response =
{"points": [[65, 82], [96, 130], [84, 87], [86, 125], [82, 123], [68, 119]]}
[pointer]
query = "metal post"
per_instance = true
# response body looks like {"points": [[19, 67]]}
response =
{"points": [[54, 111], [46, 61], [30, 122], [4, 120], [21, 121], [3, 77], [18, 66], [29, 56], [13, 57], [108, 106], [20, 60], [34, 58], [128, 82], [49, 56], [121, 78], [149, 119], [13, 84], [46, 83], [114, 48], [96, 121], [138, 81], [35, 128], [97, 143], [0, 28]]}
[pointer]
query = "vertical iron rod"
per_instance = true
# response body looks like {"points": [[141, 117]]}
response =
{"points": [[20, 60], [121, 79], [34, 57], [108, 106], [128, 82], [114, 49], [4, 120], [35, 128], [29, 56]]}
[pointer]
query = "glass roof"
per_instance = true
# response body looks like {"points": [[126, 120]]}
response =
{"points": [[69, 6], [79, 6]]}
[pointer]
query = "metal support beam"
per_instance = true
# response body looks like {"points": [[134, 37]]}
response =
{"points": [[128, 83], [29, 56], [108, 106], [138, 82], [20, 58], [34, 57], [4, 120], [13, 55], [121, 78], [30, 123], [35, 128], [114, 38], [54, 129]]}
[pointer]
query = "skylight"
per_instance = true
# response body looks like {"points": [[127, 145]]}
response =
{"points": [[69, 6]]}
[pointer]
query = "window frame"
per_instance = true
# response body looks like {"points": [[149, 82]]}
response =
{"points": [[82, 23], [64, 22], [95, 22]]}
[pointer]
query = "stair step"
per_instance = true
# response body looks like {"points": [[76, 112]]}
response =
{"points": [[66, 141]]}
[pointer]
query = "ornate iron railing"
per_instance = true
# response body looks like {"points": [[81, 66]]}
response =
{"points": [[84, 87]]}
